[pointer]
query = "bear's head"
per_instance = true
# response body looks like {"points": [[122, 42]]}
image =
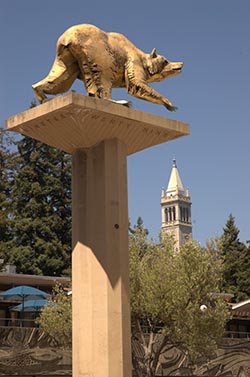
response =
{"points": [[160, 68]]}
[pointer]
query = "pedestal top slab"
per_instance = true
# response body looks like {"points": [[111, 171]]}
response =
{"points": [[75, 121]]}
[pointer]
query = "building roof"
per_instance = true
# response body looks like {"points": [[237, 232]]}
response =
{"points": [[241, 309], [9, 280], [243, 306], [174, 183]]}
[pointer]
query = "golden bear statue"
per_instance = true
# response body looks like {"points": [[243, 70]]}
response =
{"points": [[105, 60]]}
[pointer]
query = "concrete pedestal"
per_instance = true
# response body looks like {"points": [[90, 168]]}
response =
{"points": [[99, 134], [101, 323]]}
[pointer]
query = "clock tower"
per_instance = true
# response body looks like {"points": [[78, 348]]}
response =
{"points": [[176, 209]]}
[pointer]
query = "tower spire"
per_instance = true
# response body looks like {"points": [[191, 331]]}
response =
{"points": [[174, 184]]}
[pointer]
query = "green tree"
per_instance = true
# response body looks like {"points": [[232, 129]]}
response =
{"points": [[244, 275], [167, 293], [6, 174], [236, 263], [138, 227], [56, 319], [40, 210]]}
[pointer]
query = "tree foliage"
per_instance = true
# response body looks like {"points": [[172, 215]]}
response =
{"points": [[236, 265], [36, 206], [139, 226], [41, 210], [6, 175], [167, 291], [56, 319]]}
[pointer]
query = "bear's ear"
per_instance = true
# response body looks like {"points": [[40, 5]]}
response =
{"points": [[153, 54]]}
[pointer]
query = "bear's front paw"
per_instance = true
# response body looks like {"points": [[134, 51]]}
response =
{"points": [[169, 105]]}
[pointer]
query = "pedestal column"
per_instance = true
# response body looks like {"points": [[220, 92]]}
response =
{"points": [[101, 309]]}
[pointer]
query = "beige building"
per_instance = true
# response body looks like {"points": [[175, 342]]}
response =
{"points": [[176, 209]]}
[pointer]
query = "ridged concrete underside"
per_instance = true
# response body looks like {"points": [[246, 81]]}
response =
{"points": [[75, 121]]}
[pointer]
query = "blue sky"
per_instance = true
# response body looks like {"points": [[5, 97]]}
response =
{"points": [[212, 94]]}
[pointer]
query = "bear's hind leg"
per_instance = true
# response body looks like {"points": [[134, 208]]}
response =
{"points": [[59, 79], [90, 78], [95, 84]]}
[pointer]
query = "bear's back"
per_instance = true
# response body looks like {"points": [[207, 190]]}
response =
{"points": [[87, 35], [81, 34]]}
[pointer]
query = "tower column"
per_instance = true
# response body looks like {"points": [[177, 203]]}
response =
{"points": [[163, 215], [100, 279]]}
